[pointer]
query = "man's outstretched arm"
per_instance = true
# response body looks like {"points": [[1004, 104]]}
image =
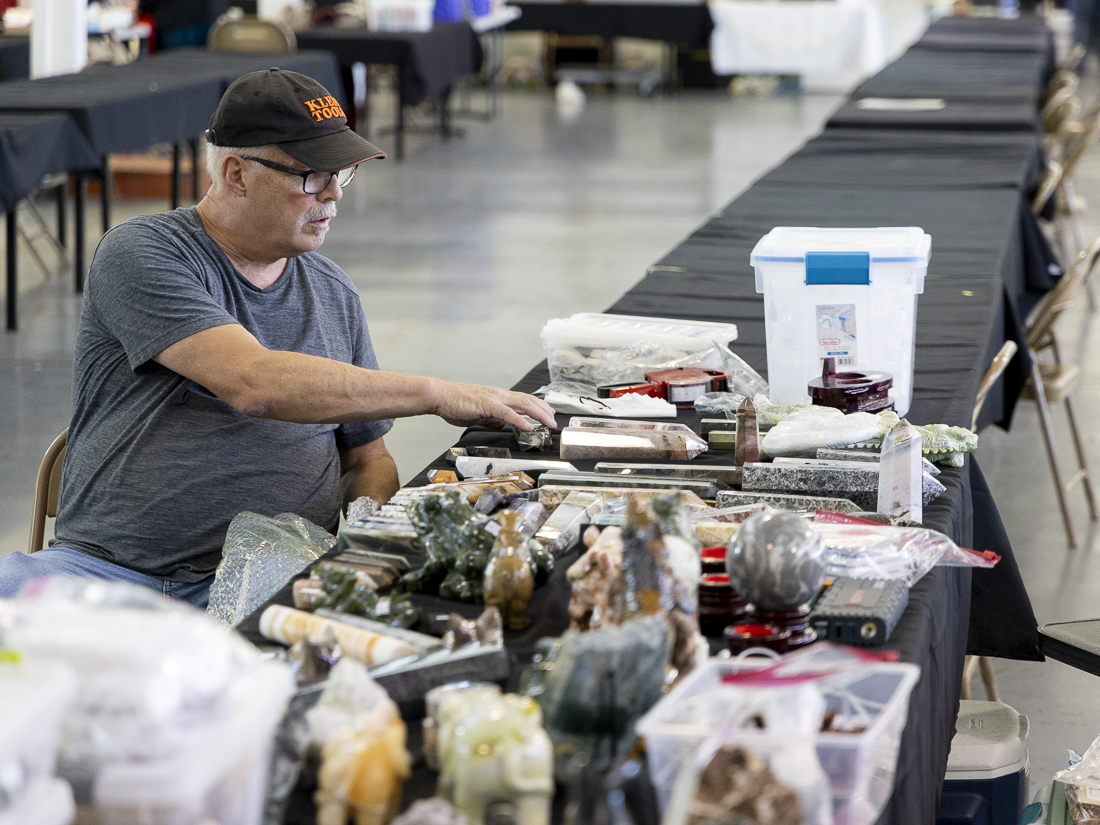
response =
{"points": [[306, 389]]}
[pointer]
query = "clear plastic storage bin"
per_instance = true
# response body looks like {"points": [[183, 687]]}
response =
{"points": [[220, 776], [576, 346], [33, 699], [48, 801], [846, 293], [860, 766], [400, 15]]}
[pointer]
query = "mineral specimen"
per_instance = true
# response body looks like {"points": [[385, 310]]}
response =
{"points": [[855, 481], [508, 578], [591, 577], [900, 476], [776, 561], [746, 445], [629, 442], [784, 501]]}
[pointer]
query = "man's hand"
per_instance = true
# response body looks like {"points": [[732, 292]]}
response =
{"points": [[467, 404]]}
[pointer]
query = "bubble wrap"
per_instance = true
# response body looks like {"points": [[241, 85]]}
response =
{"points": [[260, 555]]}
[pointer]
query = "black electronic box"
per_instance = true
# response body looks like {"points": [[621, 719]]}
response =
{"points": [[859, 612]]}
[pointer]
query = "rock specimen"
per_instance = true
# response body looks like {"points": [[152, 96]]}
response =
{"points": [[508, 578]]}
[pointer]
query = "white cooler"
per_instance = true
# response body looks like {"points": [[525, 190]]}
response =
{"points": [[846, 293], [989, 760]]}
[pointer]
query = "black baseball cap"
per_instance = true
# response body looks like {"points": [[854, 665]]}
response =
{"points": [[293, 112]]}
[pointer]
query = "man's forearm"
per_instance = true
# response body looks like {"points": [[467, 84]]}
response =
{"points": [[305, 389], [375, 477]]}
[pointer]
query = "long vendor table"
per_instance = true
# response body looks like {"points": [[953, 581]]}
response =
{"points": [[986, 265]]}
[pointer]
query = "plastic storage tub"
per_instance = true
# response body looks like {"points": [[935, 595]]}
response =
{"points": [[846, 293], [219, 776], [988, 759], [33, 699], [585, 334], [860, 766]]}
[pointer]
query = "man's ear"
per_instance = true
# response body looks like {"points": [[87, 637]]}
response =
{"points": [[233, 173]]}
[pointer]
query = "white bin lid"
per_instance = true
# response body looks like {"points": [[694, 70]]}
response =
{"points": [[885, 244], [990, 741]]}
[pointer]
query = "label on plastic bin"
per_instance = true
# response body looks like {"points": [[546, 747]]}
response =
{"points": [[836, 333]]}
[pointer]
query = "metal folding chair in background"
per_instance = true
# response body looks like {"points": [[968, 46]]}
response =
{"points": [[1055, 381]]}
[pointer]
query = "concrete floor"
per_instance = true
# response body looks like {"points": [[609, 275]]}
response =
{"points": [[464, 250]]}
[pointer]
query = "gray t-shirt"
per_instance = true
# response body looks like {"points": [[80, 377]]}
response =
{"points": [[157, 466]]}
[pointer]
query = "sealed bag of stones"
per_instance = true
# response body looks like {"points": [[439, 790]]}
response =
{"points": [[1082, 781]]}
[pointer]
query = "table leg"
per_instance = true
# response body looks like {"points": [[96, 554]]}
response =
{"points": [[105, 195], [12, 239], [194, 142], [175, 176], [445, 113], [62, 196], [400, 142], [78, 233]]}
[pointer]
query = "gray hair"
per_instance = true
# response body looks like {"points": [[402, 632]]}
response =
{"points": [[216, 155]]}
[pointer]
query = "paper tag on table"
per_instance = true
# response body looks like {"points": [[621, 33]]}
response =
{"points": [[901, 104]]}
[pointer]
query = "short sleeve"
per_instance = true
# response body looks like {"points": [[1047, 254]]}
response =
{"points": [[148, 290], [349, 436]]}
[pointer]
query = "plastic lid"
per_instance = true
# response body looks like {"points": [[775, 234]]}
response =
{"points": [[606, 329], [990, 740], [885, 244]]}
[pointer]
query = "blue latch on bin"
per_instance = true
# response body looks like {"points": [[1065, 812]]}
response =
{"points": [[838, 267]]}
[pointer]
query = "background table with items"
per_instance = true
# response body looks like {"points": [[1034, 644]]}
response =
{"points": [[166, 98], [988, 262], [32, 146], [428, 63]]}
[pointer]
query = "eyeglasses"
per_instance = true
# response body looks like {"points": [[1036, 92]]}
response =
{"points": [[313, 182]]}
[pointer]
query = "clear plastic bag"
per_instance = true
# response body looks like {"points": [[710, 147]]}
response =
{"points": [[863, 550], [597, 366], [1082, 781], [153, 675], [774, 726], [742, 378], [718, 402], [260, 555]]}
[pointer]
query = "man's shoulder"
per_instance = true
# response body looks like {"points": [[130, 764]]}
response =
{"points": [[179, 223]]}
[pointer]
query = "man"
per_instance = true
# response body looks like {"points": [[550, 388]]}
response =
{"points": [[222, 365]]}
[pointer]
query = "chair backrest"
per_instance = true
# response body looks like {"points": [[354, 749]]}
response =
{"points": [[46, 487], [1062, 79], [250, 34], [1052, 178], [995, 370], [1060, 298], [1061, 108]]}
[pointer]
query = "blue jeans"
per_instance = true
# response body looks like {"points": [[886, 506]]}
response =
{"points": [[16, 569]]}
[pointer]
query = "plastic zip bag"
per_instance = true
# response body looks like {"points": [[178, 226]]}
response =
{"points": [[862, 549], [1082, 781], [718, 402], [741, 378]]}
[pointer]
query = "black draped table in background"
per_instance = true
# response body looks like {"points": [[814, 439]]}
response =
{"points": [[15, 57], [32, 146], [687, 23], [165, 98], [989, 263], [428, 63]]}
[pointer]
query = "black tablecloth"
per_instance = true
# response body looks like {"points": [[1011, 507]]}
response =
{"points": [[960, 111], [904, 159], [34, 145], [119, 109], [688, 23], [15, 57], [975, 75], [984, 34], [429, 62], [225, 67]]}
